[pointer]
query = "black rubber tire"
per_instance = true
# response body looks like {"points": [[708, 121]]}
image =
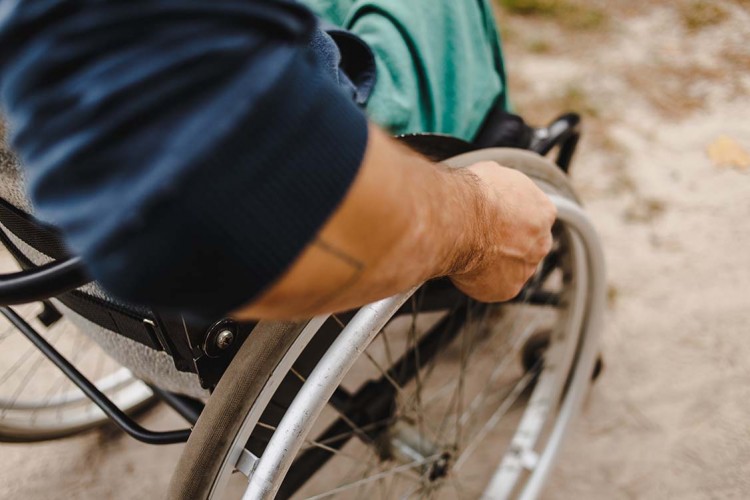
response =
{"points": [[234, 396], [211, 439]]}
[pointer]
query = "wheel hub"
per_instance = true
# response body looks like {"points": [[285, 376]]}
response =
{"points": [[406, 445], [441, 467]]}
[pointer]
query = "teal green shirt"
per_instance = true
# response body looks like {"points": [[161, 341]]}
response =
{"points": [[439, 62]]}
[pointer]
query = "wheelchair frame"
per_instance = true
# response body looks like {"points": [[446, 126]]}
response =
{"points": [[63, 276]]}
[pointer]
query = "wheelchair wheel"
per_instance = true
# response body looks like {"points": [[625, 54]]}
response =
{"points": [[419, 395], [37, 401]]}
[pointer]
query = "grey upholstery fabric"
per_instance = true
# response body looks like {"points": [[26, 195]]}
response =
{"points": [[11, 178], [150, 365]]}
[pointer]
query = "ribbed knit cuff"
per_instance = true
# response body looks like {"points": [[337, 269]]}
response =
{"points": [[243, 215]]}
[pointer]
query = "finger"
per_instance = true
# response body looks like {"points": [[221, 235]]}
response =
{"points": [[540, 250]]}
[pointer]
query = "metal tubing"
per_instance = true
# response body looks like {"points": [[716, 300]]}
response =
{"points": [[122, 420], [43, 282], [548, 392], [313, 397], [188, 408], [576, 219], [238, 450]]}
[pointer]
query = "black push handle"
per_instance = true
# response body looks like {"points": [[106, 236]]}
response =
{"points": [[41, 283], [565, 131]]}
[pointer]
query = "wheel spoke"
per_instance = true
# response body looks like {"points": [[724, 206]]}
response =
{"points": [[462, 368], [311, 443], [387, 376], [36, 400], [7, 333], [444, 400], [411, 493], [462, 490], [388, 352], [387, 473], [479, 402], [412, 341], [456, 401], [508, 359], [98, 370], [430, 368], [348, 421], [522, 384], [345, 436], [80, 348], [27, 379], [22, 360]]}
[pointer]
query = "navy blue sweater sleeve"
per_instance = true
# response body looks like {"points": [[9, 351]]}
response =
{"points": [[187, 149]]}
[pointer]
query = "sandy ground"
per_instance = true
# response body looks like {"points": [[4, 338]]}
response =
{"points": [[669, 417]]}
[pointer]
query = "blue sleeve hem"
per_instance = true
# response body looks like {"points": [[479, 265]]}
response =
{"points": [[241, 216]]}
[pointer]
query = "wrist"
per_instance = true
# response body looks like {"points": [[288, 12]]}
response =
{"points": [[463, 222]]}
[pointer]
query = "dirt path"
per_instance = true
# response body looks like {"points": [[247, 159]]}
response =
{"points": [[669, 418]]}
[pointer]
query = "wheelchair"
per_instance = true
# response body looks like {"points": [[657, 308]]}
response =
{"points": [[425, 394]]}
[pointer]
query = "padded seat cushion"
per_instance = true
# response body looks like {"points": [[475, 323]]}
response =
{"points": [[153, 366]]}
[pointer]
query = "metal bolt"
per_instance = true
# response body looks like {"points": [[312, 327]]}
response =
{"points": [[224, 339]]}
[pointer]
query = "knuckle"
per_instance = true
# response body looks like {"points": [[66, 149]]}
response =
{"points": [[530, 271], [517, 289], [551, 216], [507, 294]]}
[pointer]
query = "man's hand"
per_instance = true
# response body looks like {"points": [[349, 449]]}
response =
{"points": [[406, 220], [516, 235]]}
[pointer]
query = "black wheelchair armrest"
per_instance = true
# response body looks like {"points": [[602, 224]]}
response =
{"points": [[43, 282]]}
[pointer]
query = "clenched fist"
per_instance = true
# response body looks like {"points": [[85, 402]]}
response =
{"points": [[512, 237]]}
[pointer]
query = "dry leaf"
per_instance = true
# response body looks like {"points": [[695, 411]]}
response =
{"points": [[726, 152]]}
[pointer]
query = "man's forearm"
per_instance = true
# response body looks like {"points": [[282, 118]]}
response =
{"points": [[403, 221]]}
